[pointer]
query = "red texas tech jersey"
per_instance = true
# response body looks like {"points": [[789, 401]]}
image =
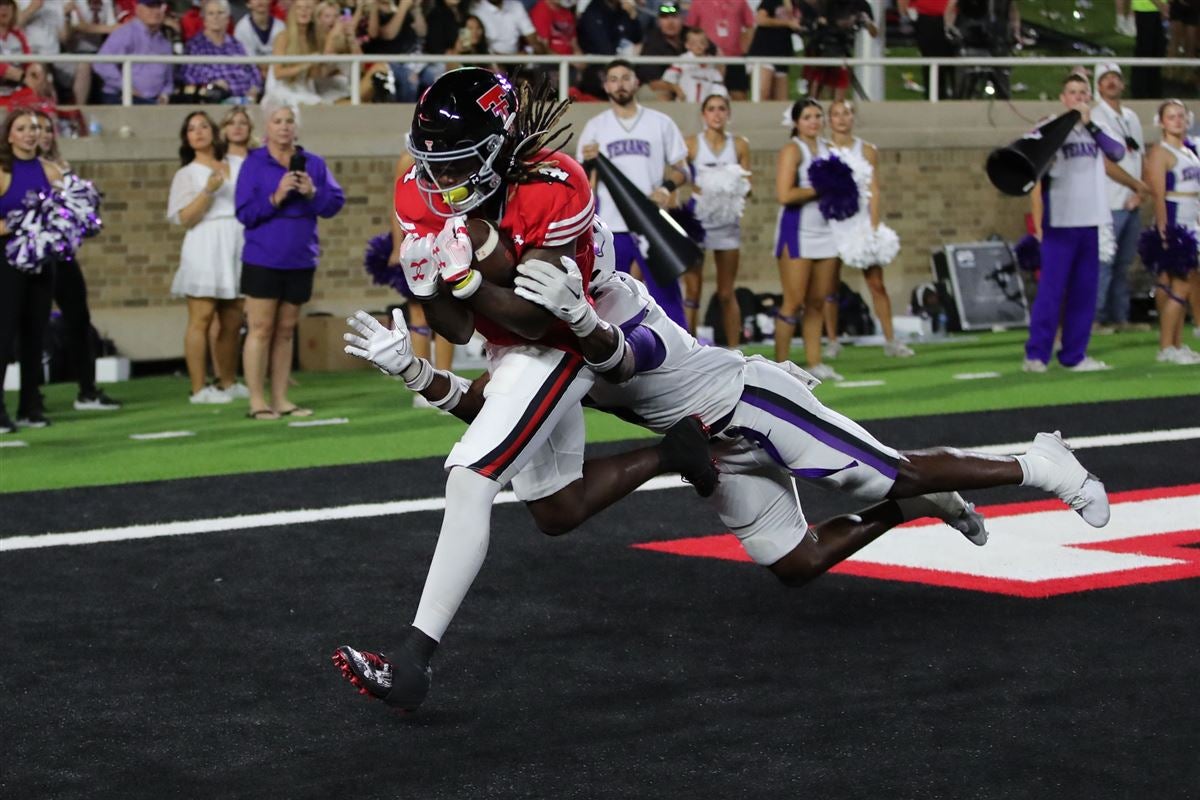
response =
{"points": [[553, 210]]}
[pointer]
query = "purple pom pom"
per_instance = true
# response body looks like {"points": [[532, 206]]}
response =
{"points": [[82, 199], [1175, 256], [1028, 252], [376, 261], [685, 215], [44, 230], [837, 191]]}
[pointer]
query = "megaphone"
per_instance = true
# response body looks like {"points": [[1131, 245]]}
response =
{"points": [[1016, 168], [672, 253]]}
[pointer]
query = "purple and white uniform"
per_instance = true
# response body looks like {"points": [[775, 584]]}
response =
{"points": [[802, 231], [1183, 188], [719, 237]]}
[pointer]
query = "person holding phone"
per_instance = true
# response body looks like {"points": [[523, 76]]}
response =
{"points": [[282, 190]]}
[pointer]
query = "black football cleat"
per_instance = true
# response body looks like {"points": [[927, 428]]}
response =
{"points": [[684, 449], [402, 683]]}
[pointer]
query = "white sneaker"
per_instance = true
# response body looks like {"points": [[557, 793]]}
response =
{"points": [[897, 350], [1033, 365], [1166, 355], [1064, 476], [237, 391], [832, 350], [951, 509], [824, 372], [1186, 355], [1089, 364], [210, 395]]}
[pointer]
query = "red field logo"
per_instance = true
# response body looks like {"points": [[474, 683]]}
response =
{"points": [[1036, 549]]}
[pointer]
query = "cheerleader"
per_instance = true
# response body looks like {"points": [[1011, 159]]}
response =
{"points": [[1173, 173], [862, 242], [804, 242], [720, 163]]}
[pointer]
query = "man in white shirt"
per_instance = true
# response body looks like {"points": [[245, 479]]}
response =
{"points": [[44, 23], [1122, 124], [648, 148], [258, 30], [507, 26]]}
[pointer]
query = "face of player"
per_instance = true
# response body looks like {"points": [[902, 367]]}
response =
{"points": [[23, 136], [281, 128], [812, 119], [697, 43], [1074, 93], [716, 113], [620, 84], [841, 118], [1174, 119], [1111, 86]]}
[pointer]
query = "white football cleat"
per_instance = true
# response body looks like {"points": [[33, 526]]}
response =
{"points": [[1073, 484], [951, 509]]}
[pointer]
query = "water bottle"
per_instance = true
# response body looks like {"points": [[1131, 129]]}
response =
{"points": [[94, 128]]}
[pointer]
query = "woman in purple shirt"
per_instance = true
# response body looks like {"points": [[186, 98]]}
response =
{"points": [[281, 191], [239, 80], [24, 293]]}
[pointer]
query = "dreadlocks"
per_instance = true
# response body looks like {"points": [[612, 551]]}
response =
{"points": [[538, 112]]}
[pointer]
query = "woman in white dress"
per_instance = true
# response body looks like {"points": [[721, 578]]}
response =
{"points": [[295, 84], [210, 260], [863, 227], [715, 156]]}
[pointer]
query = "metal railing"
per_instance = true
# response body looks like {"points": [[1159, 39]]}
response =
{"points": [[564, 64]]}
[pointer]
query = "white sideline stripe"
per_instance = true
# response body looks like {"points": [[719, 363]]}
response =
{"points": [[366, 510], [266, 520], [316, 423], [975, 376], [857, 384], [14, 443], [141, 437]]}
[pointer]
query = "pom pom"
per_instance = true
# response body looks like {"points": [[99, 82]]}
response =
{"points": [[862, 171], [1175, 255], [82, 199], [376, 261], [685, 215], [855, 241], [886, 245], [1108, 243], [722, 197], [44, 230], [837, 193], [1028, 253]]}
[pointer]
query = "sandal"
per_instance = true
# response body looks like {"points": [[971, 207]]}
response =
{"points": [[262, 414], [296, 411]]}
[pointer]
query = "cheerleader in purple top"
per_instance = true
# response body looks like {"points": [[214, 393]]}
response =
{"points": [[1173, 173], [25, 293], [804, 242]]}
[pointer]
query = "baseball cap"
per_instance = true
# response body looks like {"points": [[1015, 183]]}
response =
{"points": [[1101, 71], [667, 9], [155, 3]]}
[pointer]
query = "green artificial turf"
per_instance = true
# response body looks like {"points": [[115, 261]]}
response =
{"points": [[94, 448]]}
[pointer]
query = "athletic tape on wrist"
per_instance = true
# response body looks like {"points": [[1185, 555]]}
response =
{"points": [[468, 285], [586, 324], [458, 387], [423, 377], [615, 359], [489, 245]]}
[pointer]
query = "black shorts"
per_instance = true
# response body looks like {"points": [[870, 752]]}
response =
{"points": [[289, 285], [736, 79]]}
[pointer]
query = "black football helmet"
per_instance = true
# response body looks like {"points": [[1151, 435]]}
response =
{"points": [[463, 136]]}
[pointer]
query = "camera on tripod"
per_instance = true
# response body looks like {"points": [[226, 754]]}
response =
{"points": [[834, 34]]}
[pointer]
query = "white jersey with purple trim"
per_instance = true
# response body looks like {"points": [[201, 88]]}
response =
{"points": [[641, 148], [1183, 188], [1074, 188]]}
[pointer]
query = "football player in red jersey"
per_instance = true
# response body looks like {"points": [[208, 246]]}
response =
{"points": [[482, 152]]}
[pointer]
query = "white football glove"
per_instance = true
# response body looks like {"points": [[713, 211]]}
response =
{"points": [[453, 253], [559, 291], [420, 270], [388, 349]]}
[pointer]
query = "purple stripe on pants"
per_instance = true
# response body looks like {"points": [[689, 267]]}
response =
{"points": [[1066, 293], [787, 237], [669, 298]]}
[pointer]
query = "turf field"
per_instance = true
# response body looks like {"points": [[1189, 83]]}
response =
{"points": [[94, 448]]}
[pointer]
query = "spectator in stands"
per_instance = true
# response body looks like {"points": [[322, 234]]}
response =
{"points": [[237, 129], [730, 26], [202, 200], [1184, 41], [664, 39], [279, 200], [1151, 42], [930, 31], [691, 80], [24, 295], [607, 27], [508, 27], [215, 78], [397, 30], [45, 25], [37, 91], [143, 35], [472, 40], [777, 22], [70, 295], [12, 43], [337, 34], [90, 22], [258, 30], [443, 21], [294, 84], [554, 22]]}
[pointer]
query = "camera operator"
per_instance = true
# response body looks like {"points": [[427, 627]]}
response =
{"points": [[837, 24], [981, 28], [929, 29]]}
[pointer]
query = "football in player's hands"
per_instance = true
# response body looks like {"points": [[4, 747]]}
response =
{"points": [[495, 254]]}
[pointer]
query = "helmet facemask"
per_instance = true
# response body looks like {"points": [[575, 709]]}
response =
{"points": [[462, 178]]}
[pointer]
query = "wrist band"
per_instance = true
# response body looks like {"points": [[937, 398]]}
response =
{"points": [[586, 324], [670, 185], [458, 387], [468, 286], [420, 380], [1092, 128], [617, 356], [488, 247]]}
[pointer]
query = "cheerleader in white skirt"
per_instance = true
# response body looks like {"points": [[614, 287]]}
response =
{"points": [[863, 243], [720, 164], [804, 243]]}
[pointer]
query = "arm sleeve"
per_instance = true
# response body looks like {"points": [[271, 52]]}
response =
{"points": [[115, 44], [1113, 150], [183, 191], [253, 206], [330, 198]]}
